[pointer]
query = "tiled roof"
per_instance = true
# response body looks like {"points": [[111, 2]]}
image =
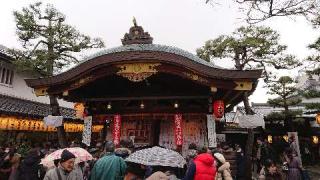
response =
{"points": [[13, 105], [4, 51], [152, 47]]}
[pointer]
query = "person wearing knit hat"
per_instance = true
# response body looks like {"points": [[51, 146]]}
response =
{"points": [[66, 155], [66, 169], [223, 167]]}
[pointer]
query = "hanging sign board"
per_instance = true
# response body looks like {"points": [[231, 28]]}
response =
{"points": [[116, 129], [53, 121], [212, 136], [178, 129], [86, 134]]}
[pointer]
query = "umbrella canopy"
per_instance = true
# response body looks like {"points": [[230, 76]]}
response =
{"points": [[81, 156], [157, 156]]}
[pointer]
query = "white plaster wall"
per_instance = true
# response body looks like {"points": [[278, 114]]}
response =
{"points": [[20, 89]]}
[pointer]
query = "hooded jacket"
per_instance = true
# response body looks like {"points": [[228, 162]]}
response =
{"points": [[110, 167], [224, 172], [29, 167], [75, 174], [205, 169]]}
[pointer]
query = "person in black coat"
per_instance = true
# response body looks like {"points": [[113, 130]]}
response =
{"points": [[29, 167]]}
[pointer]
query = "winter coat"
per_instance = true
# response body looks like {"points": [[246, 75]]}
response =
{"points": [[223, 172], [52, 174], [158, 176], [294, 172], [29, 167], [205, 169], [15, 162], [109, 167], [267, 176]]}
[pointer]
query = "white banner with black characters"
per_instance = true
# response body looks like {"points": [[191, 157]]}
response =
{"points": [[86, 134], [212, 136], [53, 121]]}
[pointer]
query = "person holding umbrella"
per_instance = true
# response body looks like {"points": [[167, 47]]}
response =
{"points": [[65, 169], [110, 166]]}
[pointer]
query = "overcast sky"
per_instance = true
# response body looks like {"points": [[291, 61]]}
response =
{"points": [[186, 24]]}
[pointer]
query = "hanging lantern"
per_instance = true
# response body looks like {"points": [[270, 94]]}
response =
{"points": [[218, 108], [318, 118], [80, 110], [270, 139], [315, 139]]}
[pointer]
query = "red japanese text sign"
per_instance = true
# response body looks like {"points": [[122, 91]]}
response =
{"points": [[178, 129], [116, 129]]}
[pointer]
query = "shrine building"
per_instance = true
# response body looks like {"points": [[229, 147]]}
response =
{"points": [[154, 94]]}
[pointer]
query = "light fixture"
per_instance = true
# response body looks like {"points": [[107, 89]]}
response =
{"points": [[318, 118], [270, 139], [142, 105], [213, 89], [315, 139], [109, 105], [176, 105], [286, 138]]}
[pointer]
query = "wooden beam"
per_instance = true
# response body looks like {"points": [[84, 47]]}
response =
{"points": [[142, 98], [234, 97], [226, 95]]}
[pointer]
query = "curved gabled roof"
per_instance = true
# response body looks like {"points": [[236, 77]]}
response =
{"points": [[151, 47], [146, 52]]}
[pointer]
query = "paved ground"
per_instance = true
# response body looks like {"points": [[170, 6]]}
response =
{"points": [[314, 172]]}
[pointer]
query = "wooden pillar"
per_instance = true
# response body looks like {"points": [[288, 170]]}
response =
{"points": [[54, 105]]}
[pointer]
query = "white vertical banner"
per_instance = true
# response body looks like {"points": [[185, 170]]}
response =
{"points": [[86, 134], [212, 136]]}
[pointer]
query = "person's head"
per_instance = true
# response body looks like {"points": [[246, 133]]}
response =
{"points": [[126, 143], [109, 147], [99, 145], [289, 153], [67, 160], [34, 152], [259, 141], [270, 166], [220, 158], [237, 146], [291, 139], [202, 150], [192, 146]]}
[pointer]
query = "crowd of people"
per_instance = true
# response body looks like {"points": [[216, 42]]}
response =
{"points": [[109, 163], [278, 161]]}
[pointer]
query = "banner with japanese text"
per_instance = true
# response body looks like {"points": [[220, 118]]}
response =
{"points": [[178, 129], [87, 130], [212, 136], [116, 129]]}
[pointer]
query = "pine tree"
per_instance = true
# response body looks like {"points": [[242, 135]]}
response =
{"points": [[314, 91], [285, 89], [48, 45], [250, 48]]}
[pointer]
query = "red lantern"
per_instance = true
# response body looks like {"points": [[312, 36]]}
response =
{"points": [[218, 108], [116, 129]]}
